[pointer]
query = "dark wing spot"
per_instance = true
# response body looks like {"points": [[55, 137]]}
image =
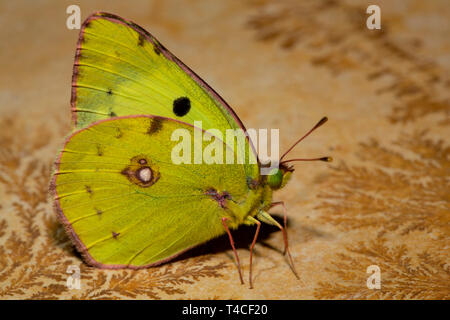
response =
{"points": [[155, 126], [115, 234], [99, 150], [109, 92], [141, 171], [99, 212], [221, 198], [112, 114], [156, 49], [119, 133], [127, 172], [89, 190], [141, 40], [181, 106]]}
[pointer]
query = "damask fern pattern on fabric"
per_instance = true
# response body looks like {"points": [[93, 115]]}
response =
{"points": [[401, 199], [396, 68], [424, 275], [397, 193]]}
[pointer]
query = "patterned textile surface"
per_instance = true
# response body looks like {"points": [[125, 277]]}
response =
{"points": [[384, 201]]}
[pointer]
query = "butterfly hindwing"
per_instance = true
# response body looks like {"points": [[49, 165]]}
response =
{"points": [[124, 201]]}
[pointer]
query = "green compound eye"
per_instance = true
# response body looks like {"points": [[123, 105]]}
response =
{"points": [[275, 178]]}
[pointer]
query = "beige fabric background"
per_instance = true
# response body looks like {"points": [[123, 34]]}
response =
{"points": [[384, 201]]}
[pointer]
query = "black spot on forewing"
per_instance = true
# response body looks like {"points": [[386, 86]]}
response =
{"points": [[181, 106], [115, 234], [109, 92], [112, 114], [89, 190]]}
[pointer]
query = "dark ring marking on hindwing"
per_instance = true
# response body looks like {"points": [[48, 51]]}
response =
{"points": [[141, 171]]}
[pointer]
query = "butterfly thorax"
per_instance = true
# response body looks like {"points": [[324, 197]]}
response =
{"points": [[259, 197], [237, 211]]}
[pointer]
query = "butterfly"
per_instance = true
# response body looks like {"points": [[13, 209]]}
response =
{"points": [[122, 200]]}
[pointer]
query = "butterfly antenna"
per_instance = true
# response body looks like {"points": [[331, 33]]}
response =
{"points": [[321, 122], [325, 159]]}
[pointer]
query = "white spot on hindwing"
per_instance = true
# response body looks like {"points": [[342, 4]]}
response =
{"points": [[145, 174], [141, 171]]}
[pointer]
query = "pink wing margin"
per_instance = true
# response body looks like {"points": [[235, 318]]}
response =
{"points": [[116, 19]]}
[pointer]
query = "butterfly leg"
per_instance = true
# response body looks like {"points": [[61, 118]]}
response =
{"points": [[267, 218], [252, 221], [224, 222], [281, 203]]}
